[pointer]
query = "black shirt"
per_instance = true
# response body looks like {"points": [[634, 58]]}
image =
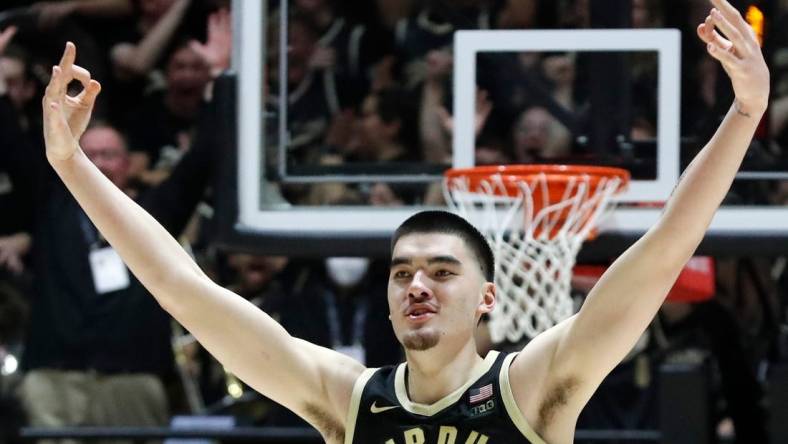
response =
{"points": [[19, 161], [72, 326], [482, 411], [154, 130]]}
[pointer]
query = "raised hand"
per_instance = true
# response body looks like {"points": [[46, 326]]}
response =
{"points": [[66, 117], [483, 108], [731, 41], [216, 51]]}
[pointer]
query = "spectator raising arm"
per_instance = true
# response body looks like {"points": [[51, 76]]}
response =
{"points": [[51, 13], [131, 60], [314, 382], [217, 50]]}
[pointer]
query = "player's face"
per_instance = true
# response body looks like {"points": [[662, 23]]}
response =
{"points": [[436, 290]]}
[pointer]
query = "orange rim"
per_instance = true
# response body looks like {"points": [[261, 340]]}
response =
{"points": [[557, 176]]}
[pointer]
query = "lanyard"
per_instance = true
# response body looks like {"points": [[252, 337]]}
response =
{"points": [[89, 231]]}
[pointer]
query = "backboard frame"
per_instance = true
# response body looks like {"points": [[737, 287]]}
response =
{"points": [[354, 231], [665, 42]]}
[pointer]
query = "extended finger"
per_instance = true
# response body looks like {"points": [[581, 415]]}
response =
{"points": [[708, 34], [81, 74], [69, 55], [87, 97], [57, 85], [705, 30], [727, 58], [732, 15], [733, 34]]}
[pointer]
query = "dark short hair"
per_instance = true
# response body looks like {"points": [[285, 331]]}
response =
{"points": [[445, 222]]}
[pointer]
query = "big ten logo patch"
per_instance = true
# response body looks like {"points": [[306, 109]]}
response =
{"points": [[482, 409]]}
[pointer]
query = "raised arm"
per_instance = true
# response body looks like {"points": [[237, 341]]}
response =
{"points": [[315, 383], [139, 58], [578, 353], [51, 13]]}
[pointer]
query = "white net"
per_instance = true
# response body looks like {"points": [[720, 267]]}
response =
{"points": [[535, 246]]}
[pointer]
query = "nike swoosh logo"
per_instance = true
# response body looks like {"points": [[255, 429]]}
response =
{"points": [[376, 409]]}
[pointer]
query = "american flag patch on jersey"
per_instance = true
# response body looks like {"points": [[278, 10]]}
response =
{"points": [[480, 394]]}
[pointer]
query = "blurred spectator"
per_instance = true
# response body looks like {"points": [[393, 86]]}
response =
{"points": [[646, 14], [96, 348], [518, 81], [98, 343], [390, 12], [537, 136], [386, 130], [19, 158], [560, 72], [20, 119], [435, 138], [385, 133], [14, 310], [13, 316], [738, 328], [347, 50], [161, 128], [51, 13], [383, 195], [576, 14], [144, 43], [17, 191], [492, 153], [22, 89], [432, 28], [157, 24], [312, 92], [642, 130], [517, 14]]}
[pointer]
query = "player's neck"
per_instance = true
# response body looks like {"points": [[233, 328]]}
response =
{"points": [[435, 373]]}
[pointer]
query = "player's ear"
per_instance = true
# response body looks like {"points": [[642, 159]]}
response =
{"points": [[488, 298]]}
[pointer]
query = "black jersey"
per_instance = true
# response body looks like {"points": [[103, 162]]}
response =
{"points": [[482, 411]]}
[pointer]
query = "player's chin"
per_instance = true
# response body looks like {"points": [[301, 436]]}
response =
{"points": [[421, 339]]}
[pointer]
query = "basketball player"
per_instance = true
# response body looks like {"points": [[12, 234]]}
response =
{"points": [[440, 285]]}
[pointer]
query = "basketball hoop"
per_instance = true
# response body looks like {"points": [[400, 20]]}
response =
{"points": [[535, 218]]}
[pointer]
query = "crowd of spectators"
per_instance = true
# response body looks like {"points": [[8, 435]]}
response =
{"points": [[368, 83], [371, 85]]}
